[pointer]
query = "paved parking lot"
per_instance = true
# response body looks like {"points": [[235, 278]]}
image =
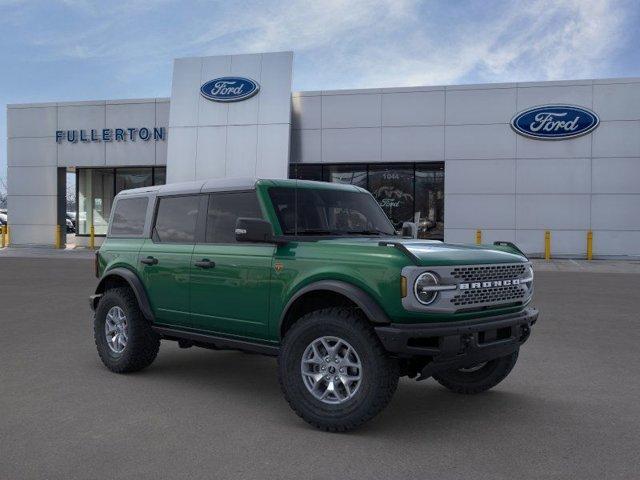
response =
{"points": [[570, 409]]}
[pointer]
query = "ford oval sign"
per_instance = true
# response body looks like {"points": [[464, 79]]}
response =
{"points": [[229, 89], [555, 122]]}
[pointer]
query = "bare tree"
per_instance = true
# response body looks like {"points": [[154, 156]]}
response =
{"points": [[3, 193], [71, 196]]}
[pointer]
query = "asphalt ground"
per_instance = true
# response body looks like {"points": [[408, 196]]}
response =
{"points": [[569, 409]]}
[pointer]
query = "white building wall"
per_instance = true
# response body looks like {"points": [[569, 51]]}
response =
{"points": [[509, 186], [33, 156], [247, 138]]}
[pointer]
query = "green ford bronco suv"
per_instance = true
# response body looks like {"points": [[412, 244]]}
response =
{"points": [[315, 274]]}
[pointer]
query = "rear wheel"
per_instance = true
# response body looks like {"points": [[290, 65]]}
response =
{"points": [[333, 370], [123, 337], [477, 378]]}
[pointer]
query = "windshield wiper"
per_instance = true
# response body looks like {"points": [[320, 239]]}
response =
{"points": [[318, 231], [321, 231], [366, 232]]}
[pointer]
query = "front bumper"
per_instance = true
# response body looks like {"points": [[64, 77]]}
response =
{"points": [[93, 301], [450, 345]]}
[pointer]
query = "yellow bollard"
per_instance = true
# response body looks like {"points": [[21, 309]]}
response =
{"points": [[6, 229], [92, 238], [547, 245], [58, 237], [589, 245], [478, 237], [3, 233]]}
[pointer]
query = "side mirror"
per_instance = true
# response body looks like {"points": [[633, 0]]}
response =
{"points": [[254, 230], [409, 229]]}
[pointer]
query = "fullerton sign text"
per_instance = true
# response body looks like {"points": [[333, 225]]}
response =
{"points": [[111, 135]]}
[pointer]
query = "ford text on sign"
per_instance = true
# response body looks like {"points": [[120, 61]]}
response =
{"points": [[229, 89], [555, 122]]}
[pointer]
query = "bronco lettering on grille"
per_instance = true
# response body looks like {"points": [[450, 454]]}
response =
{"points": [[493, 283]]}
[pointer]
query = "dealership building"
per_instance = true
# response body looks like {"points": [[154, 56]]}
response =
{"points": [[513, 160]]}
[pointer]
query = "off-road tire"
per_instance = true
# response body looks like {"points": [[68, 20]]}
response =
{"points": [[142, 344], [379, 372], [480, 380]]}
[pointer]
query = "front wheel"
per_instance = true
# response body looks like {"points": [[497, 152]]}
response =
{"points": [[477, 378], [333, 370]]}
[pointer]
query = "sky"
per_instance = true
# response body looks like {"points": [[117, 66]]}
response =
{"points": [[110, 49]]}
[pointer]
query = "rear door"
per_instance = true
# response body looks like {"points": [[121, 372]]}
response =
{"points": [[165, 258], [229, 280]]}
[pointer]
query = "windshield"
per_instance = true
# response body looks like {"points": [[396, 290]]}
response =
{"points": [[309, 211]]}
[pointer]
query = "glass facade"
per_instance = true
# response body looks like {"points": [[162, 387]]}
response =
{"points": [[97, 187], [407, 192], [352, 174], [127, 178]]}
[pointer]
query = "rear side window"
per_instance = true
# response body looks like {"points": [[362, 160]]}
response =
{"points": [[176, 219], [223, 211], [128, 217]]}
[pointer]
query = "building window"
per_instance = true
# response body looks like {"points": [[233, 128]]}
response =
{"points": [[407, 192], [159, 176], [301, 171], [429, 209], [355, 174], [393, 188], [127, 178], [95, 196], [97, 187]]}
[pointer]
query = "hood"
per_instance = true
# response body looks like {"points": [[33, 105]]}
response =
{"points": [[437, 253], [433, 253]]}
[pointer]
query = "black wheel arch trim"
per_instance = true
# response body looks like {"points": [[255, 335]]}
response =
{"points": [[362, 299], [134, 283]]}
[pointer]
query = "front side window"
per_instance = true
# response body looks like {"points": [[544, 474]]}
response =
{"points": [[176, 219], [129, 216], [309, 211], [223, 211]]}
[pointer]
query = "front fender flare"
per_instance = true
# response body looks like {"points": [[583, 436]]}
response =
{"points": [[134, 283], [363, 300]]}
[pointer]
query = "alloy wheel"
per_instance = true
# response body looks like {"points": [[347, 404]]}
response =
{"points": [[331, 370], [116, 329]]}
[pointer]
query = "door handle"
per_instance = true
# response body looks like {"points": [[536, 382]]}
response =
{"points": [[149, 260], [205, 263]]}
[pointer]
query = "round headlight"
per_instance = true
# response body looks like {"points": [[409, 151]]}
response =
{"points": [[422, 290]]}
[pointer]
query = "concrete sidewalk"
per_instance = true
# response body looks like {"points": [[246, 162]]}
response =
{"points": [[46, 252], [593, 266]]}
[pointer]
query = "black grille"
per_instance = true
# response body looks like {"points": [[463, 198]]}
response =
{"points": [[488, 272], [511, 293]]}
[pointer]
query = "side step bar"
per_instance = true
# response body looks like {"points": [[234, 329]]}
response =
{"points": [[216, 341]]}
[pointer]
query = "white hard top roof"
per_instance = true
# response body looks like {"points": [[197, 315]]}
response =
{"points": [[229, 185], [198, 186]]}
